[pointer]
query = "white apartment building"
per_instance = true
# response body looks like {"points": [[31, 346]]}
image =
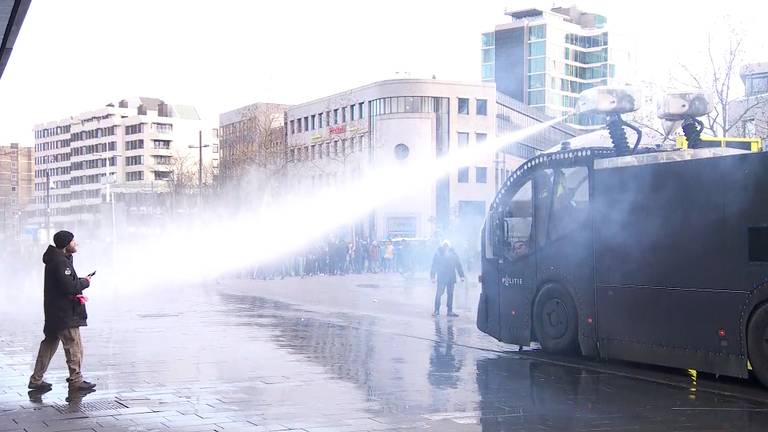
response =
{"points": [[134, 149], [339, 138], [546, 58]]}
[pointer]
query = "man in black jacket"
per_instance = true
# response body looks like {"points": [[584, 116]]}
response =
{"points": [[445, 265], [64, 306]]}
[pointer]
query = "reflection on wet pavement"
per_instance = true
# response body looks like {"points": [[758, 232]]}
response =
{"points": [[217, 360]]}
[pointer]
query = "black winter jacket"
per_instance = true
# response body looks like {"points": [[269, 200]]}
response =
{"points": [[445, 264], [62, 309]]}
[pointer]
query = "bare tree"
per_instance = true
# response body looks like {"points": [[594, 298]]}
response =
{"points": [[254, 151], [720, 79], [182, 177]]}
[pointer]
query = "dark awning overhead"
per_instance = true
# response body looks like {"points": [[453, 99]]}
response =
{"points": [[12, 13]]}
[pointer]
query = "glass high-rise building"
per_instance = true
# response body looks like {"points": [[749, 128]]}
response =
{"points": [[545, 58]]}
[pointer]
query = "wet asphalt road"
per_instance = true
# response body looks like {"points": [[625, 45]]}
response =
{"points": [[335, 354]]}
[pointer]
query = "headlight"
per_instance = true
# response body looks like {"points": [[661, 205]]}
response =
{"points": [[682, 105], [609, 100]]}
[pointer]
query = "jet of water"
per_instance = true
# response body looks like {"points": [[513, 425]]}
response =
{"points": [[191, 252]]}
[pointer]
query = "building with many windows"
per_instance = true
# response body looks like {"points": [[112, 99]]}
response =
{"points": [[129, 152], [748, 115], [338, 139], [545, 58], [16, 183]]}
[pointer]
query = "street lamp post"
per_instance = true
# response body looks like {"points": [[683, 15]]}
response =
{"points": [[200, 147]]}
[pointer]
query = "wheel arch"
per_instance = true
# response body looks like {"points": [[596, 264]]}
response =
{"points": [[757, 298]]}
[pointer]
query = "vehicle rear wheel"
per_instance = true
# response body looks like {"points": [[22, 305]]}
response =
{"points": [[757, 343], [555, 320]]}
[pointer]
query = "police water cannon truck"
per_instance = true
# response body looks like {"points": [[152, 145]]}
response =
{"points": [[631, 252]]}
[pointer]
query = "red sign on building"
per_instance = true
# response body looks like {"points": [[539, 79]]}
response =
{"points": [[337, 130]]}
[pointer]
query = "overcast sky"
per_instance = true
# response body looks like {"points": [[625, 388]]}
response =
{"points": [[78, 55]]}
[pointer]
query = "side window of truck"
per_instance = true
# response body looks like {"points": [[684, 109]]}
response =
{"points": [[518, 219], [570, 202]]}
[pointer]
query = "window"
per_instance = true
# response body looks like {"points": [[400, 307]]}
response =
{"points": [[360, 110], [352, 112], [537, 65], [293, 129], [488, 55], [463, 175], [306, 124], [298, 125], [481, 138], [538, 48], [758, 244], [312, 122], [537, 81], [569, 201], [134, 160], [488, 39], [482, 107], [517, 223], [487, 72], [134, 144], [757, 85], [162, 175], [536, 97], [463, 139], [134, 176], [537, 32], [336, 116], [463, 106], [481, 175], [162, 160], [344, 115], [161, 144], [163, 127], [134, 129]]}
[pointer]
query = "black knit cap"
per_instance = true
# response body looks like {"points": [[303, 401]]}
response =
{"points": [[62, 238]]}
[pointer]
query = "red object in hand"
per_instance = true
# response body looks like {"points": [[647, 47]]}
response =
{"points": [[81, 298]]}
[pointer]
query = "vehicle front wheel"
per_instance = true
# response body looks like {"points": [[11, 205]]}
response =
{"points": [[555, 320], [757, 343]]}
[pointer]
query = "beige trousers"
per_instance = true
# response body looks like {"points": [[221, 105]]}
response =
{"points": [[73, 351]]}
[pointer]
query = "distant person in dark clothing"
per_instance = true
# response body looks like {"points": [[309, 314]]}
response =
{"points": [[64, 306], [445, 265]]}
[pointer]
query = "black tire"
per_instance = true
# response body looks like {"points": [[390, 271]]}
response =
{"points": [[757, 343], [555, 320]]}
